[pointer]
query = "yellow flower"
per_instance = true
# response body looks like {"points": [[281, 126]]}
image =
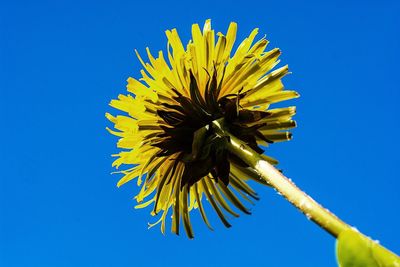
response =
{"points": [[166, 135]]}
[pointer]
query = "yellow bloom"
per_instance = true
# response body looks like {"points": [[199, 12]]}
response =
{"points": [[167, 137]]}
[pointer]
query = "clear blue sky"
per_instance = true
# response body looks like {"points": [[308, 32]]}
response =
{"points": [[62, 61]]}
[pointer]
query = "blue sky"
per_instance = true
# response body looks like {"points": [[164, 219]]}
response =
{"points": [[62, 61]]}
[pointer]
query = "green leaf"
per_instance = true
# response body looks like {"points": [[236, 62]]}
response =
{"points": [[353, 249]]}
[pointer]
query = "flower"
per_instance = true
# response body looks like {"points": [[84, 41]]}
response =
{"points": [[166, 134]]}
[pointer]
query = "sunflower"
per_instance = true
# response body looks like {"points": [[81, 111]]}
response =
{"points": [[170, 145]]}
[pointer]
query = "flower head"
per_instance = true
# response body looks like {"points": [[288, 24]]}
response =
{"points": [[167, 135]]}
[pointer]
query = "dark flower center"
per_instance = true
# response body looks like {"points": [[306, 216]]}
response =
{"points": [[189, 132]]}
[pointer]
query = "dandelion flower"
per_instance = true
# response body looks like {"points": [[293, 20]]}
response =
{"points": [[169, 143]]}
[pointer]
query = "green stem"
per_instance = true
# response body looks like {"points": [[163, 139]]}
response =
{"points": [[314, 211]]}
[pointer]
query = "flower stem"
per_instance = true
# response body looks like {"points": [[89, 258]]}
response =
{"points": [[283, 185]]}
